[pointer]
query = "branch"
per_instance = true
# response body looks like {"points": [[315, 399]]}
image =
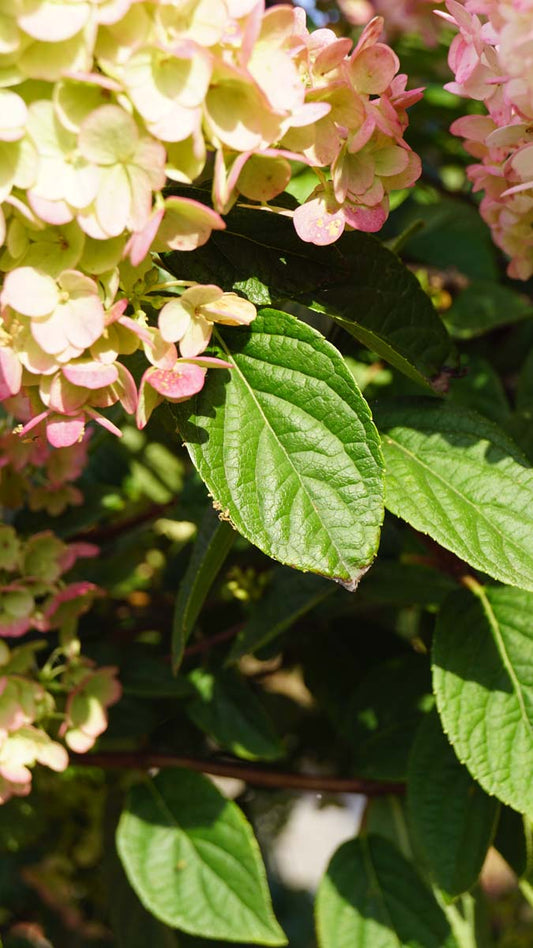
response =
{"points": [[204, 645], [256, 776]]}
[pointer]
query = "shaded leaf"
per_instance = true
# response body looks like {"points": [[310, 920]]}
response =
{"points": [[228, 711], [381, 716], [452, 820], [373, 898], [289, 596], [483, 306], [483, 680], [213, 543]]}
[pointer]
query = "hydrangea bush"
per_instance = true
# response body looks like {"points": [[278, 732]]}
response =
{"points": [[266, 468]]}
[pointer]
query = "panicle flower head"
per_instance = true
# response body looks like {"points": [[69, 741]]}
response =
{"points": [[105, 101], [401, 16], [82, 693], [492, 59], [32, 587]]}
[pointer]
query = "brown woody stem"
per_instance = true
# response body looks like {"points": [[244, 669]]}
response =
{"points": [[255, 776]]}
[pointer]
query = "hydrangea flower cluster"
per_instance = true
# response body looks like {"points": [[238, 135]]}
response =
{"points": [[34, 596], [34, 473], [401, 16], [28, 711], [102, 104], [33, 593], [492, 59]]}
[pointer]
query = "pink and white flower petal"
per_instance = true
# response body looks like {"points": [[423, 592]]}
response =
{"points": [[29, 292], [13, 116], [90, 374], [230, 310], [53, 20], [10, 373], [197, 337], [178, 384], [187, 224], [63, 432], [174, 319]]}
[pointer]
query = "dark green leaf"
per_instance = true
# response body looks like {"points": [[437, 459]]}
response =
{"points": [[382, 715], [452, 820], [193, 860], [357, 281], [484, 306], [454, 236], [391, 582], [143, 675], [456, 476], [482, 675], [286, 445], [289, 596], [481, 390], [371, 897], [213, 543], [228, 711]]}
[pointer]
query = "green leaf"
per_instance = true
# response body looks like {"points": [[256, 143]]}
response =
{"points": [[482, 676], [286, 445], [483, 306], [133, 926], [145, 675], [193, 860], [213, 543], [382, 715], [524, 389], [454, 236], [456, 476], [371, 897], [357, 281], [452, 820], [386, 816], [289, 596], [228, 711], [392, 582], [481, 390]]}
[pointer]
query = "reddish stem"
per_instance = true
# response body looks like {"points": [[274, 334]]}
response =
{"points": [[256, 776]]}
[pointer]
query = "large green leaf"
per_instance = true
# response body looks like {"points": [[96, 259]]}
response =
{"points": [[213, 543], [371, 897], [286, 445], [483, 680], [357, 281], [227, 709], [452, 820], [193, 860], [456, 476]]}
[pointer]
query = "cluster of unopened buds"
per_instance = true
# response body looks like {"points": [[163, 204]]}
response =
{"points": [[103, 105], [492, 59], [68, 688]]}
